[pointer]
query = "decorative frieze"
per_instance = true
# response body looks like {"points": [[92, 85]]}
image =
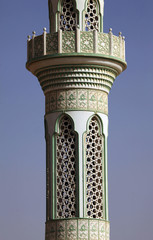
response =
{"points": [[82, 229], [77, 99]]}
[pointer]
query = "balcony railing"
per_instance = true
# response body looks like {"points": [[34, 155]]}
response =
{"points": [[76, 42]]}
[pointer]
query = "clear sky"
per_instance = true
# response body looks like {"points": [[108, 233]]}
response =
{"points": [[22, 143]]}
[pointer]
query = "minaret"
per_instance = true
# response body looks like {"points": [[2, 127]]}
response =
{"points": [[76, 65]]}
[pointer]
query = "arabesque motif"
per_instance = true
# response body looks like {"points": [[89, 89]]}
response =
{"points": [[116, 46], [87, 42], [51, 43], [68, 42], [38, 46], [103, 43]]}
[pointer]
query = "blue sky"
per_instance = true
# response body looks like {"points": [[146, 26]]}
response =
{"points": [[130, 145]]}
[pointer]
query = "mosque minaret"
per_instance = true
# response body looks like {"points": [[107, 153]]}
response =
{"points": [[76, 65]]}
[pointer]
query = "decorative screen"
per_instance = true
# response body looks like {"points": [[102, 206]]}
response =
{"points": [[94, 170], [91, 16], [66, 165], [68, 19]]}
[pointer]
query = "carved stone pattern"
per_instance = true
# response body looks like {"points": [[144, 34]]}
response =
{"points": [[68, 16], [93, 230], [102, 231], [91, 17], [103, 44], [72, 230], [51, 43], [66, 162], [87, 42], [77, 99], [116, 46], [61, 230], [68, 42], [38, 46], [77, 229], [83, 229], [51, 231], [94, 170], [77, 77]]}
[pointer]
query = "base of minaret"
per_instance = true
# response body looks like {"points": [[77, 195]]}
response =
{"points": [[77, 229]]}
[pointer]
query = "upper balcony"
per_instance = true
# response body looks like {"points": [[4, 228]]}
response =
{"points": [[64, 43]]}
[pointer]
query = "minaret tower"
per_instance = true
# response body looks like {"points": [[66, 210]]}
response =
{"points": [[76, 65]]}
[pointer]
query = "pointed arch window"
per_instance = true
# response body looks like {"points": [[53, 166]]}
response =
{"points": [[92, 16], [66, 169], [94, 169], [68, 16]]}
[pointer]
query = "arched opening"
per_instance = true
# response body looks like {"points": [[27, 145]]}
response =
{"points": [[94, 148], [92, 16], [68, 16], [66, 168]]}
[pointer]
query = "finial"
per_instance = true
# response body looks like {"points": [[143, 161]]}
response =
{"points": [[29, 37], [123, 38], [78, 26], [110, 30], [44, 29], [34, 33], [120, 34]]}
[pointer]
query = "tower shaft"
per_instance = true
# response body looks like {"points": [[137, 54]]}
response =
{"points": [[76, 68]]}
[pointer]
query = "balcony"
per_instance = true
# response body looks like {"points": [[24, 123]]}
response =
{"points": [[76, 43]]}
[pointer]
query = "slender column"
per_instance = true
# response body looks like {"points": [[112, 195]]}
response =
{"points": [[95, 41], [29, 38], [110, 42], [123, 39], [77, 40], [59, 41], [33, 44], [121, 47], [44, 39]]}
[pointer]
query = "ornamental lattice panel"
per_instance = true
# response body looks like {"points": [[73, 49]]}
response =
{"points": [[66, 169], [94, 170], [68, 16], [91, 17]]}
